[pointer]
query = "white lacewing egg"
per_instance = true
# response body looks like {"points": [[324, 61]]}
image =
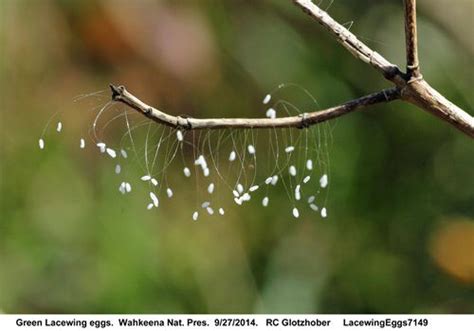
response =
{"points": [[124, 153], [313, 207], [265, 201], [289, 149], [201, 161], [118, 169], [150, 206], [298, 192], [292, 170], [235, 193], [154, 182], [221, 211], [274, 180], [298, 195], [206, 172], [232, 156], [102, 147], [253, 188], [128, 187], [309, 164], [324, 181], [296, 212], [251, 149], [210, 188], [324, 213], [311, 199], [306, 179], [271, 113], [205, 204], [240, 188], [267, 99], [59, 127], [122, 188], [268, 180], [238, 201], [154, 199], [82, 143], [210, 211], [179, 135], [41, 143], [246, 197], [195, 216], [187, 172], [146, 178], [169, 192], [198, 161], [111, 153]]}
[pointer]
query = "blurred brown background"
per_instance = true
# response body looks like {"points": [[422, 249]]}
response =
{"points": [[400, 236]]}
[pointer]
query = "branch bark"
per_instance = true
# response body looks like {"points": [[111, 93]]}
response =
{"points": [[119, 93], [422, 95]]}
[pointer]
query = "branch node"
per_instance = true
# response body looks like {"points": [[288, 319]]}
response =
{"points": [[391, 73], [117, 91], [183, 123], [190, 125], [304, 121], [415, 78]]}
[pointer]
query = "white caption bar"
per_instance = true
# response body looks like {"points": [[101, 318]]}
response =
{"points": [[244, 322]]}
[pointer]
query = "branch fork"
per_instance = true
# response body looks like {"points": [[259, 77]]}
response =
{"points": [[409, 86]]}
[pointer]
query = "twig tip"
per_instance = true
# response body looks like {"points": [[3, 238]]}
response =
{"points": [[116, 91]]}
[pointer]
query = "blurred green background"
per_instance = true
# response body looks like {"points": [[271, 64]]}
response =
{"points": [[400, 236]]}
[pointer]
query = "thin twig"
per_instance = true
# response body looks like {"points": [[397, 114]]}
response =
{"points": [[347, 39], [119, 93], [411, 37]]}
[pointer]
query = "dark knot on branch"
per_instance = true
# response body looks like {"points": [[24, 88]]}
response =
{"points": [[117, 91], [304, 121], [183, 123]]}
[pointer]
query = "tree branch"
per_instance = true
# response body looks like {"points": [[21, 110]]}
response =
{"points": [[411, 37], [412, 86], [119, 93]]}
